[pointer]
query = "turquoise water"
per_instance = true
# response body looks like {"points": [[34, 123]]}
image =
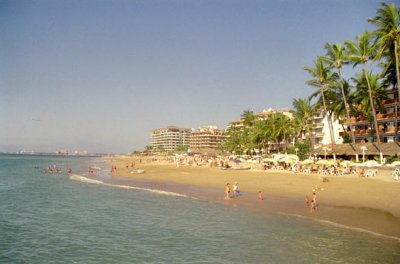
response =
{"points": [[51, 218]]}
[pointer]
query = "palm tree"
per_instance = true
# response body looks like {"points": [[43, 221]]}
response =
{"points": [[336, 56], [360, 53], [387, 34], [248, 117], [280, 128], [388, 38], [234, 142], [261, 134], [362, 93], [303, 113], [323, 76]]}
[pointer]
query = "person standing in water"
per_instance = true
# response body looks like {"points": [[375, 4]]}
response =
{"points": [[235, 190], [260, 197], [227, 191]]}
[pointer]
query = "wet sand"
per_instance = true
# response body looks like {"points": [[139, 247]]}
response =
{"points": [[367, 203]]}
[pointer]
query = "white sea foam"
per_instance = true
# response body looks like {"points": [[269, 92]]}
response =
{"points": [[344, 226], [80, 178]]}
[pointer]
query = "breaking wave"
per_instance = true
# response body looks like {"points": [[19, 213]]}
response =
{"points": [[80, 178]]}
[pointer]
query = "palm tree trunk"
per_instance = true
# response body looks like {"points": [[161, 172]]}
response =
{"points": [[346, 107], [326, 114], [331, 128], [397, 83], [372, 105]]}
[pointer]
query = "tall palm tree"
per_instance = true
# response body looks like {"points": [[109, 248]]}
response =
{"points": [[336, 105], [360, 53], [387, 20], [362, 93], [387, 35], [323, 76], [336, 56]]}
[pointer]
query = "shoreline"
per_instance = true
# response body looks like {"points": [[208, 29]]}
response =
{"points": [[369, 204]]}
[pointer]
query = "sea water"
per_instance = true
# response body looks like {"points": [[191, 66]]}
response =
{"points": [[73, 218]]}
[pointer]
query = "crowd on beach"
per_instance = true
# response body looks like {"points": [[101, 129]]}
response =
{"points": [[312, 166]]}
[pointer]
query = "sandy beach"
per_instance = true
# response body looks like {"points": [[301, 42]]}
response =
{"points": [[367, 203]]}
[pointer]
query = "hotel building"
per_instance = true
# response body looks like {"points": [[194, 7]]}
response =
{"points": [[207, 137], [263, 115], [170, 138], [386, 119]]}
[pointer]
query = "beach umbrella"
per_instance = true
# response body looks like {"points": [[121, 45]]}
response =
{"points": [[356, 164], [371, 163], [269, 160], [325, 162], [288, 160]]}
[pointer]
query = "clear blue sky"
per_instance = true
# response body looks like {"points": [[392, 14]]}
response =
{"points": [[100, 75]]}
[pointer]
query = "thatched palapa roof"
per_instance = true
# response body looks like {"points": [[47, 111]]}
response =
{"points": [[387, 149]]}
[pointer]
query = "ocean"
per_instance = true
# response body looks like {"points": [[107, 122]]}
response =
{"points": [[76, 218]]}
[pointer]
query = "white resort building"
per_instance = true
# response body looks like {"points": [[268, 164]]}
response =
{"points": [[321, 136], [170, 138]]}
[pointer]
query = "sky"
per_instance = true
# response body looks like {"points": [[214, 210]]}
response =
{"points": [[101, 75]]}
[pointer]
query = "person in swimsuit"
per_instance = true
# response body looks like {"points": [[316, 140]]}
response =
{"points": [[227, 191]]}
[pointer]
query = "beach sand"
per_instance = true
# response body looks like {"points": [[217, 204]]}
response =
{"points": [[372, 204]]}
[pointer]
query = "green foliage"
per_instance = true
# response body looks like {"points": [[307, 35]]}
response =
{"points": [[258, 134], [366, 92], [182, 149], [391, 159], [303, 149], [346, 138]]}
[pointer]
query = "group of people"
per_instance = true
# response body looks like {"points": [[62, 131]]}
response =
{"points": [[234, 190]]}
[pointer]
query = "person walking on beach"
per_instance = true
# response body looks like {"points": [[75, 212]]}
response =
{"points": [[227, 191]]}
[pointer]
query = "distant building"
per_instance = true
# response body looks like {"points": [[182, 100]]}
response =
{"points": [[207, 137], [170, 138], [80, 153], [263, 115]]}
